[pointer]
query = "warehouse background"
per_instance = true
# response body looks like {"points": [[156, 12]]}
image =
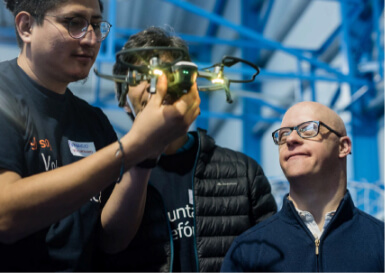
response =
{"points": [[330, 51]]}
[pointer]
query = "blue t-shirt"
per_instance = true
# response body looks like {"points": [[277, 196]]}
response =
{"points": [[41, 131]]}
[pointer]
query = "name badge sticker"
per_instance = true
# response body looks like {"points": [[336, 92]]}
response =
{"points": [[82, 149]]}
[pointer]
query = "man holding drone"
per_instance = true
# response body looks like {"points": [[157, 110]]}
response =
{"points": [[200, 196], [59, 154]]}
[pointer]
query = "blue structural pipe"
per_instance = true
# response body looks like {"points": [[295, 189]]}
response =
{"points": [[312, 86], [362, 142], [218, 9], [243, 117], [335, 97], [364, 129], [266, 15], [252, 143], [378, 6], [251, 34], [365, 105], [112, 8], [262, 102], [299, 94]]}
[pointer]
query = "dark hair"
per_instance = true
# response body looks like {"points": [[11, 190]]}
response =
{"points": [[150, 37], [37, 8]]}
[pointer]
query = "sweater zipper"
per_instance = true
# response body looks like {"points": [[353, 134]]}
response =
{"points": [[317, 243], [316, 246]]}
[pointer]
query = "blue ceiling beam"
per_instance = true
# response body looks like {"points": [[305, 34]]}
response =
{"points": [[243, 117], [252, 143], [218, 9], [378, 7], [265, 74], [263, 21], [247, 32], [355, 45]]}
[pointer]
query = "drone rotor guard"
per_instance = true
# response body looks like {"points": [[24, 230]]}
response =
{"points": [[227, 61], [150, 56], [137, 53]]}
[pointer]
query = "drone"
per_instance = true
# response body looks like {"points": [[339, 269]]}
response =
{"points": [[147, 64]]}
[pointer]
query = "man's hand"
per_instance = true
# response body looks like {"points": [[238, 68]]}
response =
{"points": [[159, 124]]}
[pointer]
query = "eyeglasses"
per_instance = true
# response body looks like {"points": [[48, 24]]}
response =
{"points": [[78, 27], [306, 129]]}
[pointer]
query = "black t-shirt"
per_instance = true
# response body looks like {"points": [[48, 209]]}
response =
{"points": [[40, 131], [173, 178]]}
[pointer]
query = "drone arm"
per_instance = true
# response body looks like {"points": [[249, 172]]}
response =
{"points": [[225, 85], [210, 87], [205, 74], [116, 78]]}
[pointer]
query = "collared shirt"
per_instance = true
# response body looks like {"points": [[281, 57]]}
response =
{"points": [[309, 221]]}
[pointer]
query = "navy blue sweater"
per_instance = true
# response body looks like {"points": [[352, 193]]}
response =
{"points": [[353, 241]]}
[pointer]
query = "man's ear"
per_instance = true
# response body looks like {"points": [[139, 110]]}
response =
{"points": [[345, 146], [24, 22]]}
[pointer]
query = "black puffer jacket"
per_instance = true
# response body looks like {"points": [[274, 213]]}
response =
{"points": [[231, 194]]}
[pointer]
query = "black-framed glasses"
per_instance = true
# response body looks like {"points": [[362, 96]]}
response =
{"points": [[306, 129], [78, 27]]}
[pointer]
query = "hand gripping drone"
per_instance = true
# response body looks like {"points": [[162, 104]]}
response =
{"points": [[146, 64]]}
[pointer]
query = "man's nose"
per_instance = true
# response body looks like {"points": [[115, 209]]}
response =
{"points": [[293, 137], [90, 35]]}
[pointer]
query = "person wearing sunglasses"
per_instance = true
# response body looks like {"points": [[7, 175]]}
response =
{"points": [[318, 227], [68, 186]]}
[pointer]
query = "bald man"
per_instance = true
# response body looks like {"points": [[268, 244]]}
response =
{"points": [[318, 227]]}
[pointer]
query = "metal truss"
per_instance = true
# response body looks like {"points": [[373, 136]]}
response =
{"points": [[358, 39]]}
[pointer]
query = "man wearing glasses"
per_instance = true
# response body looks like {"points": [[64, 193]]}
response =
{"points": [[200, 195], [59, 156], [318, 227]]}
